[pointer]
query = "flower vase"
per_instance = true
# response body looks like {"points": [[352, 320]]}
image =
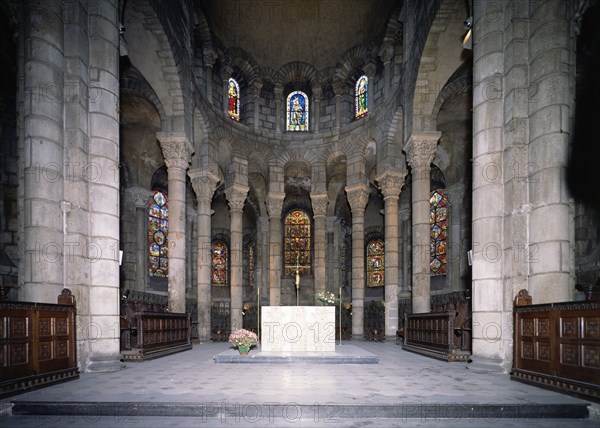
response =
{"points": [[243, 350]]}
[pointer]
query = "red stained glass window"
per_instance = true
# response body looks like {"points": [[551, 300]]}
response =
{"points": [[158, 232], [376, 263], [220, 262], [438, 219], [297, 243]]}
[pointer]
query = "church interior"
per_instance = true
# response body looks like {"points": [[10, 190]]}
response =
{"points": [[186, 163]]}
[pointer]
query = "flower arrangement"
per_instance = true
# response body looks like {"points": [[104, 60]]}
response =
{"points": [[326, 297], [243, 338]]}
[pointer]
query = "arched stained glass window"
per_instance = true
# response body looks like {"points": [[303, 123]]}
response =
{"points": [[220, 262], [438, 216], [361, 100], [158, 232], [297, 243], [375, 263], [297, 112], [233, 99]]}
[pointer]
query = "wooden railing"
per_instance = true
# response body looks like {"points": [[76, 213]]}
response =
{"points": [[159, 333], [432, 334], [37, 344], [557, 346]]}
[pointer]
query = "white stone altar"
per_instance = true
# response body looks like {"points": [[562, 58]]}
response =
{"points": [[297, 329]]}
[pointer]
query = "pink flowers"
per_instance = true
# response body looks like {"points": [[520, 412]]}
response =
{"points": [[243, 338]]}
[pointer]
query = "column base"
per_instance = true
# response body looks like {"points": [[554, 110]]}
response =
{"points": [[105, 363]]}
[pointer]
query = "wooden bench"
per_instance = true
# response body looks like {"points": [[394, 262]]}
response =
{"points": [[38, 344], [148, 331], [433, 335], [557, 346]]}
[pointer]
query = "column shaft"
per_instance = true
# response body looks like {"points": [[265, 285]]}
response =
{"points": [[104, 205], [421, 150], [177, 153], [236, 195], [43, 152]]}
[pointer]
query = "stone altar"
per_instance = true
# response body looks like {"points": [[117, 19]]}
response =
{"points": [[298, 328]]}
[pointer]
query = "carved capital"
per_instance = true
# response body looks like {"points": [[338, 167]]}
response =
{"points": [[386, 53], [390, 183], [139, 196], [317, 92], [204, 183], [177, 149], [236, 196], [358, 196], [209, 56], [319, 204], [420, 149], [338, 88], [278, 92], [275, 203], [256, 87]]}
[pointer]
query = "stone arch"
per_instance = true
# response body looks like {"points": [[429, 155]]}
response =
{"points": [[354, 58], [148, 45], [132, 80], [455, 87], [297, 72], [441, 47], [236, 58]]}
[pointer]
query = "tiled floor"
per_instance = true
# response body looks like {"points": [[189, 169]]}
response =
{"points": [[299, 395]]}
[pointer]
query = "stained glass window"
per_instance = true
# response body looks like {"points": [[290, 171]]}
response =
{"points": [[233, 99], [375, 263], [297, 242], [297, 112], [361, 100], [220, 260], [251, 264], [438, 216], [158, 232]]}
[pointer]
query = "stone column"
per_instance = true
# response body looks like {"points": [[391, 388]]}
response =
{"points": [[358, 196], [236, 196], [104, 204], [317, 92], [204, 184], [210, 56], [338, 89], [420, 150], [278, 93], [403, 246], [256, 87], [275, 206], [390, 183], [141, 199], [319, 205], [43, 278], [549, 254], [488, 190], [455, 252], [262, 258], [386, 53], [177, 152]]}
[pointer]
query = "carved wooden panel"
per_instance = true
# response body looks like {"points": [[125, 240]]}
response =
{"points": [[558, 345]]}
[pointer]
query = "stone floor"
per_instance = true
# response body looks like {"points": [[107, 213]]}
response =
{"points": [[189, 390]]}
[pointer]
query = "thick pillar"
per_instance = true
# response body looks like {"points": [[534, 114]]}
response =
{"points": [[236, 196], [104, 204], [319, 205], [358, 196], [275, 206], [390, 183], [177, 152], [488, 189], [550, 255], [420, 150], [43, 276], [204, 184]]}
